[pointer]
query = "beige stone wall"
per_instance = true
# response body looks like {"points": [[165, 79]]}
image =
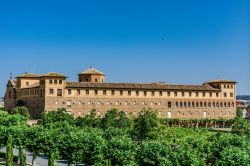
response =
{"points": [[79, 101], [81, 106], [26, 82], [91, 78], [9, 99]]}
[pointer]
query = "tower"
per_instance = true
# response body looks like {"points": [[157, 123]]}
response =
{"points": [[91, 75]]}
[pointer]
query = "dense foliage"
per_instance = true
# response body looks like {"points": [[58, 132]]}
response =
{"points": [[119, 140]]}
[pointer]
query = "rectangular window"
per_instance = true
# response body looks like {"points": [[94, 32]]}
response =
{"points": [[160, 93], [231, 95], [104, 92], [225, 94], [152, 93], [121, 92], [78, 91], [87, 92], [59, 92], [69, 92], [50, 81], [211, 94], [175, 94], [183, 94], [169, 104], [137, 93], [197, 94], [129, 93], [168, 94], [68, 103], [96, 92], [190, 94], [217, 94], [145, 93], [113, 92], [204, 94], [51, 91]]}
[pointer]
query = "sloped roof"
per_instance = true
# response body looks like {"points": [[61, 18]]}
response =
{"points": [[29, 75], [149, 86], [220, 81], [52, 74], [92, 71], [12, 82]]}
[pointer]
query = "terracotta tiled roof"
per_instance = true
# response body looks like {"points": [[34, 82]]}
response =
{"points": [[53, 75], [149, 86], [28, 75], [220, 81], [92, 71]]}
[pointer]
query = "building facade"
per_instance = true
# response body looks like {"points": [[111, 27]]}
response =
{"points": [[47, 92]]}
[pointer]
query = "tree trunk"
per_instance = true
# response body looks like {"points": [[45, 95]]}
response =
{"points": [[51, 161], [9, 152], [34, 159], [22, 157]]}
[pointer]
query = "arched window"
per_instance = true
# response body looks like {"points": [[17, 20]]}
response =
{"points": [[205, 105], [197, 104], [217, 105], [55, 82], [201, 105], [213, 104], [209, 105], [185, 104], [225, 105], [189, 104], [193, 104], [229, 105], [180, 104], [221, 105], [233, 105], [177, 104]]}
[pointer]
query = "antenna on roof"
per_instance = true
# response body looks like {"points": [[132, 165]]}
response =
{"points": [[10, 76]]}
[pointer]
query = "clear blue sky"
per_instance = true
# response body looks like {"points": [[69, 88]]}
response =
{"points": [[182, 42]]}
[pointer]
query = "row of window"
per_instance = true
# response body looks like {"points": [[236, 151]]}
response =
{"points": [[145, 93], [55, 81], [169, 114], [185, 104], [203, 104], [228, 86]]}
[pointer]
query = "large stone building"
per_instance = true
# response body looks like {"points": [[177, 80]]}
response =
{"points": [[47, 92]]}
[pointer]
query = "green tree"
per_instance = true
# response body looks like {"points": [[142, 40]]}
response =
{"points": [[34, 144], [120, 151], [241, 126], [114, 118], [145, 124], [234, 156], [94, 146], [21, 110], [20, 141], [90, 120], [71, 146], [154, 153], [61, 115], [9, 151]]}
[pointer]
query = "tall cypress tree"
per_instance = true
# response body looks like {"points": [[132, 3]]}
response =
{"points": [[9, 152]]}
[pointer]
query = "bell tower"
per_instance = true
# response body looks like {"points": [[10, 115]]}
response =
{"points": [[91, 75]]}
